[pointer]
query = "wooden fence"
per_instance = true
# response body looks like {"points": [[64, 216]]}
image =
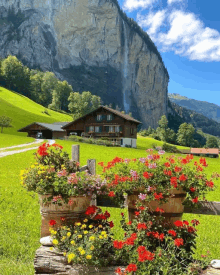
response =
{"points": [[205, 207]]}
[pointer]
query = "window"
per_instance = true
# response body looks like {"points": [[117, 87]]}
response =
{"points": [[117, 130], [99, 117], [91, 128], [109, 117], [97, 129], [132, 131], [111, 129]]}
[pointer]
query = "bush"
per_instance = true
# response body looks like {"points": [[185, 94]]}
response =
{"points": [[93, 141], [169, 148]]}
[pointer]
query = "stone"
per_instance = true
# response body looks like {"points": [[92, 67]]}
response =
{"points": [[46, 241], [215, 263], [94, 47]]}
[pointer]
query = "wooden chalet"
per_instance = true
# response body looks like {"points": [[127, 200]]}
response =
{"points": [[106, 122], [210, 152], [49, 131]]}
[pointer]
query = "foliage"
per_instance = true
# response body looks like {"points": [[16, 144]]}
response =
{"points": [[93, 141], [212, 142], [53, 174], [149, 247], [24, 111], [154, 178], [5, 122], [82, 104], [185, 134], [88, 243], [170, 148]]}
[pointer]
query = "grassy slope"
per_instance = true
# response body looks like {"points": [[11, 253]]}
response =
{"points": [[24, 111], [11, 140], [20, 215]]}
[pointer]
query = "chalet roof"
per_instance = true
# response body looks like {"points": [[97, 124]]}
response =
{"points": [[49, 126], [204, 151], [118, 113]]}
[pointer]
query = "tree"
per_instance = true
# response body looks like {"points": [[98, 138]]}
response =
{"points": [[212, 142], [36, 79], [55, 105], [162, 130], [185, 134], [65, 90], [5, 122], [49, 82]]}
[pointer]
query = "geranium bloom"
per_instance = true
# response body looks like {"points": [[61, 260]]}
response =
{"points": [[167, 164], [185, 222], [101, 163], [182, 178], [146, 175], [161, 152], [158, 196], [111, 194], [195, 200], [178, 169], [146, 256], [129, 223], [70, 202], [91, 210], [178, 242], [142, 196], [42, 150], [192, 189], [137, 213], [52, 222], [209, 183], [118, 271], [173, 182], [131, 267], [141, 226], [178, 223], [191, 229], [118, 244], [111, 224], [195, 222], [159, 210], [172, 232]]}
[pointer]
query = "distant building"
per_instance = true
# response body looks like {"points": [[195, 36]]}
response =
{"points": [[49, 131], [105, 122], [212, 152]]}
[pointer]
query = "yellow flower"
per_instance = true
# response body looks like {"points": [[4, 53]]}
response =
{"points": [[63, 238], [78, 223], [64, 253], [90, 226], [85, 232], [73, 242], [83, 226], [71, 257], [92, 238], [68, 234], [32, 166], [55, 241], [105, 236], [85, 220], [96, 229], [51, 248], [103, 233], [79, 236], [80, 249], [92, 247], [75, 231], [100, 237], [82, 252], [100, 226], [89, 257]]}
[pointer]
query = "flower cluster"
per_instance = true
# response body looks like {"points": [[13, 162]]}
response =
{"points": [[148, 246], [153, 177], [55, 175], [88, 242]]}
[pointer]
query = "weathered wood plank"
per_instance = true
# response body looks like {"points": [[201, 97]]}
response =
{"points": [[75, 152], [206, 208], [83, 168], [91, 163]]}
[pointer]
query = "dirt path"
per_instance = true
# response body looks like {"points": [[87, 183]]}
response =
{"points": [[22, 145], [8, 153]]}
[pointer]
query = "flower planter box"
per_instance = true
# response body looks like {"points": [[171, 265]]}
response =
{"points": [[73, 212], [173, 209], [52, 262]]}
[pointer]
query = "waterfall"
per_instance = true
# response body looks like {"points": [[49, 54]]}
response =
{"points": [[125, 71]]}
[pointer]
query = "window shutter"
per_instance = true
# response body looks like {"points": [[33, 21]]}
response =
{"points": [[107, 129], [104, 117], [100, 129], [120, 128], [87, 129]]}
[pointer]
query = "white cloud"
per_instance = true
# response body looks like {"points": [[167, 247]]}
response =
{"points": [[131, 5], [186, 35], [173, 1]]}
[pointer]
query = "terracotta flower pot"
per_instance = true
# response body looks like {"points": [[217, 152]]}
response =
{"points": [[173, 209], [74, 212]]}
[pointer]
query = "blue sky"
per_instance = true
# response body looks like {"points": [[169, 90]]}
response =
{"points": [[187, 34]]}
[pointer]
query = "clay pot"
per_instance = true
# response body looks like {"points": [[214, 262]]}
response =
{"points": [[74, 212]]}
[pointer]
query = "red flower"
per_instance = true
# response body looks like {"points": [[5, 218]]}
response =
{"points": [[141, 208], [185, 222], [209, 184], [195, 222], [52, 222], [107, 214], [178, 223], [158, 196], [100, 217], [111, 194], [192, 189], [42, 150], [118, 244], [146, 175], [131, 267], [62, 219], [172, 232], [191, 229], [122, 214], [178, 242], [101, 163], [111, 224], [173, 182], [146, 256], [57, 146], [141, 226], [137, 213], [195, 200], [184, 161], [118, 271], [178, 169], [91, 210], [129, 223], [182, 178], [159, 210], [167, 164]]}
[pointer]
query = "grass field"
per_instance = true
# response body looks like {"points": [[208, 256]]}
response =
{"points": [[20, 212], [24, 111], [11, 140]]}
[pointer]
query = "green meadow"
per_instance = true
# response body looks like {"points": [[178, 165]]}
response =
{"points": [[20, 212], [23, 111], [11, 140]]}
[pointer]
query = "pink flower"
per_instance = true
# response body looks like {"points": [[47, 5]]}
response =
{"points": [[161, 152], [61, 173], [142, 196]]}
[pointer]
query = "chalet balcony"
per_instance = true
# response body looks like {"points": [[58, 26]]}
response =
{"points": [[103, 134]]}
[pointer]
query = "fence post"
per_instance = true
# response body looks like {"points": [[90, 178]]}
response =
{"points": [[91, 163], [75, 152]]}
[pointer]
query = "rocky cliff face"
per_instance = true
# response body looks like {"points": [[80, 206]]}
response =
{"points": [[91, 45]]}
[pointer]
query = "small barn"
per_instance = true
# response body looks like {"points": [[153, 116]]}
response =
{"points": [[210, 152], [49, 131]]}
